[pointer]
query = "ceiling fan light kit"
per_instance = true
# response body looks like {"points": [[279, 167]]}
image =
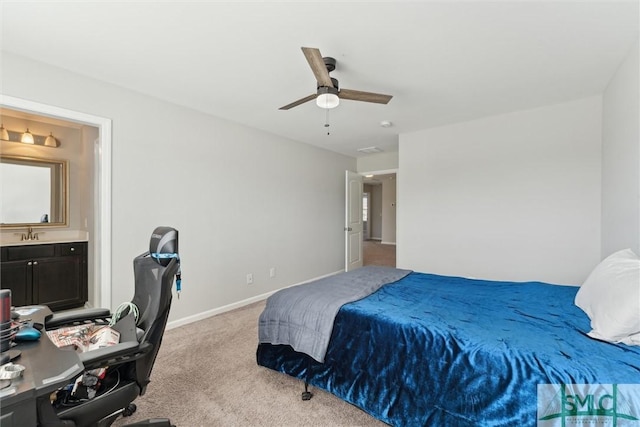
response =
{"points": [[327, 97], [328, 94]]}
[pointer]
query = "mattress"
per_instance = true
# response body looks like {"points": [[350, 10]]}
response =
{"points": [[432, 350]]}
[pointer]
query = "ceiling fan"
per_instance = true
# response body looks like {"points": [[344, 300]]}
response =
{"points": [[328, 93]]}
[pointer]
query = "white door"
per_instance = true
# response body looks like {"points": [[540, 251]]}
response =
{"points": [[353, 221]]}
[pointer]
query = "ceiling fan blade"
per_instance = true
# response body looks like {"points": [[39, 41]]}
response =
{"points": [[314, 58], [299, 101], [357, 95]]}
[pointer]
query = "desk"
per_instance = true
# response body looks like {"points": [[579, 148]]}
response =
{"points": [[47, 368]]}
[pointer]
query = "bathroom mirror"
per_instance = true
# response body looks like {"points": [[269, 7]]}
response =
{"points": [[33, 192]]}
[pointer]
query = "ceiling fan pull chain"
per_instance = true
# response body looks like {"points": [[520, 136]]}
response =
{"points": [[326, 122]]}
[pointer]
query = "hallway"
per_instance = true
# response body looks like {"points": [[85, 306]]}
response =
{"points": [[376, 253]]}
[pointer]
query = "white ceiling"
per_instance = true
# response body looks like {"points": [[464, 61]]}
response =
{"points": [[444, 62]]}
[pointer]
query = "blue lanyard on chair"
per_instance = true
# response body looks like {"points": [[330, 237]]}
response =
{"points": [[178, 274]]}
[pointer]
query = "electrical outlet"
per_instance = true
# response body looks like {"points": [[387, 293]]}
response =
{"points": [[272, 272], [250, 279]]}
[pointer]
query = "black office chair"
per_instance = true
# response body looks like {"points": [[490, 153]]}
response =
{"points": [[130, 362]]}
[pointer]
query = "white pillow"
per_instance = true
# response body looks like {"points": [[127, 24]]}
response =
{"points": [[611, 298]]}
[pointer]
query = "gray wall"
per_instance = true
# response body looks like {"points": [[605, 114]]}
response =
{"points": [[243, 200], [621, 159], [508, 197]]}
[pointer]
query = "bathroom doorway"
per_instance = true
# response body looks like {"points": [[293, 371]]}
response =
{"points": [[98, 219]]}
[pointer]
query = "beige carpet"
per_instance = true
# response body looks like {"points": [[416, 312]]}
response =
{"points": [[206, 375], [376, 253]]}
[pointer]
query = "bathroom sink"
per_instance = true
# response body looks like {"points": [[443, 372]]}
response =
{"points": [[13, 237]]}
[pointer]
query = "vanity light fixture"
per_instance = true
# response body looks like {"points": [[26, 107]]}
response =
{"points": [[51, 141], [27, 137]]}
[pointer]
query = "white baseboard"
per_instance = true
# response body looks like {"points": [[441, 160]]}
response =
{"points": [[219, 310], [388, 243]]}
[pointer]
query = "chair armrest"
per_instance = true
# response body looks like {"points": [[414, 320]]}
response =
{"points": [[67, 317], [110, 355]]}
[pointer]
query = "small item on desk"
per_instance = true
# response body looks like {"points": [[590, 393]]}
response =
{"points": [[6, 325], [9, 355], [27, 333], [84, 337], [10, 371], [71, 335]]}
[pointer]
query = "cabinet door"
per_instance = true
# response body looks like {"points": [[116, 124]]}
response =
{"points": [[16, 275], [59, 282]]}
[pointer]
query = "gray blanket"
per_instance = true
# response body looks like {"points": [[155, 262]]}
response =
{"points": [[302, 316]]}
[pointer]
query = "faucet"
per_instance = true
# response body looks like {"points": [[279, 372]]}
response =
{"points": [[30, 235]]}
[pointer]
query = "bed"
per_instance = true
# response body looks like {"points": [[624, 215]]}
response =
{"points": [[431, 350]]}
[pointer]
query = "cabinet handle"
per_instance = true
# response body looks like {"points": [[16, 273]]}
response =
{"points": [[29, 263], [73, 249], [35, 262]]}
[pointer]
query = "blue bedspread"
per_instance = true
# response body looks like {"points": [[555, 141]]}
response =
{"points": [[302, 316], [432, 350]]}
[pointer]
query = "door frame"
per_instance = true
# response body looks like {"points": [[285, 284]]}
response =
{"points": [[349, 232], [366, 230], [395, 171], [101, 236]]}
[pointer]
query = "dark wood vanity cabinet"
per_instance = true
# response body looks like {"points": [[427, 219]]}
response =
{"points": [[50, 274]]}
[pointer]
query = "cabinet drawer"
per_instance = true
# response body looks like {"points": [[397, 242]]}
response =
{"points": [[67, 249], [17, 253]]}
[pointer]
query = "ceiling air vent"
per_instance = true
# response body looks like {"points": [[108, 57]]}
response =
{"points": [[370, 150]]}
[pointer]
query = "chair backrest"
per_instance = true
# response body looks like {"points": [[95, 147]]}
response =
{"points": [[154, 278]]}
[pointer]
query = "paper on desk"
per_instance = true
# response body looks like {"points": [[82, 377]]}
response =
{"points": [[84, 337]]}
